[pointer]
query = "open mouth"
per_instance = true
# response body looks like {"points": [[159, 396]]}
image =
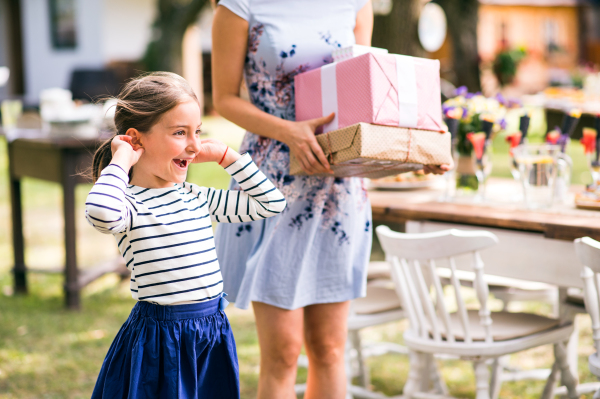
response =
{"points": [[181, 163]]}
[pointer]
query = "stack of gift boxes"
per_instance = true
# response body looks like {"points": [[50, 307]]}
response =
{"points": [[388, 112]]}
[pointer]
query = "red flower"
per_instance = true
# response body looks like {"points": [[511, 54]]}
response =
{"points": [[589, 140], [514, 139], [478, 142], [553, 137]]}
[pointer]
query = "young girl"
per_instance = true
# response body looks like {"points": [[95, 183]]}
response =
{"points": [[177, 341]]}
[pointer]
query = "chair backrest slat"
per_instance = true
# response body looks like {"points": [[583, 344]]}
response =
{"points": [[460, 303], [426, 301], [441, 305], [416, 300], [400, 282], [409, 250], [483, 292]]}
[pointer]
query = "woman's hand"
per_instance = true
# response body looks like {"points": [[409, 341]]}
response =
{"points": [[437, 169], [303, 144], [125, 152], [212, 150]]}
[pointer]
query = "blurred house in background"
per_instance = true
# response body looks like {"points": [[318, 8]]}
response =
{"points": [[56, 37], [44, 41], [557, 36]]}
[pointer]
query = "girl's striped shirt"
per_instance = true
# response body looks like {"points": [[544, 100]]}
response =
{"points": [[165, 234]]}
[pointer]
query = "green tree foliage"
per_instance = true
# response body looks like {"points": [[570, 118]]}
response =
{"points": [[173, 17], [462, 17], [506, 64], [398, 30]]}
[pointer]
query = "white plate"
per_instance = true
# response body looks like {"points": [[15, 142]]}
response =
{"points": [[401, 185]]}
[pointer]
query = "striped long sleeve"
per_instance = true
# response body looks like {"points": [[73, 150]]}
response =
{"points": [[108, 208], [259, 198], [165, 234]]}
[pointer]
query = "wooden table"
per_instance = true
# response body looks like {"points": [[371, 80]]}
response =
{"points": [[31, 153], [563, 222], [534, 245]]}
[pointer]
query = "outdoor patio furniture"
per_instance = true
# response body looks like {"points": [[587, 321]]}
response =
{"points": [[588, 252], [535, 245], [92, 84], [505, 289], [60, 161], [476, 335]]}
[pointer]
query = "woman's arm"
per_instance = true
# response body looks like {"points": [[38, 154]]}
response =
{"points": [[363, 30], [230, 38]]}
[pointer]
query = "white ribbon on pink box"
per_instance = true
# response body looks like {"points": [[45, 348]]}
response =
{"points": [[385, 89]]}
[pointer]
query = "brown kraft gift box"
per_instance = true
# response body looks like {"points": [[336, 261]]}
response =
{"points": [[374, 151]]}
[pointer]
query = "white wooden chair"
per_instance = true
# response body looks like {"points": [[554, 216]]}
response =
{"points": [[588, 252], [477, 335]]}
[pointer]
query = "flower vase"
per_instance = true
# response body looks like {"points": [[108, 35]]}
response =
{"points": [[472, 174], [466, 175]]}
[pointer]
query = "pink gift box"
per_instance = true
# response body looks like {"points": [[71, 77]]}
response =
{"points": [[382, 89]]}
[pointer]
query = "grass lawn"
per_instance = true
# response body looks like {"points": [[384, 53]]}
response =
{"points": [[48, 352]]}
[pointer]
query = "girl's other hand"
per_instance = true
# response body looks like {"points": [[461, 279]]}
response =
{"points": [[212, 150], [125, 152], [303, 144]]}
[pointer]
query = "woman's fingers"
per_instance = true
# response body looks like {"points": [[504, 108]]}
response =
{"points": [[314, 165], [320, 157], [322, 120], [436, 170]]}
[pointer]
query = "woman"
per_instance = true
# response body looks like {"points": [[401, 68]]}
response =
{"points": [[299, 269]]}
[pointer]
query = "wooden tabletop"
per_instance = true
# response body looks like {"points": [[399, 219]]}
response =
{"points": [[501, 210], [39, 138]]}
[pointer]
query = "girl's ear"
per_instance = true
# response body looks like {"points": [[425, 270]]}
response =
{"points": [[136, 138]]}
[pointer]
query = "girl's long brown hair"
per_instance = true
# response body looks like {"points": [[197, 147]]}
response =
{"points": [[140, 104]]}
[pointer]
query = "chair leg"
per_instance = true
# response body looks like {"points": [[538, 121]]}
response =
{"points": [[572, 353], [560, 366], [566, 376], [435, 376], [482, 379], [551, 381], [597, 394], [363, 369], [496, 380], [414, 381]]}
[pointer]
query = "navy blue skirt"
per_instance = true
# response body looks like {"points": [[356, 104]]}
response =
{"points": [[179, 351]]}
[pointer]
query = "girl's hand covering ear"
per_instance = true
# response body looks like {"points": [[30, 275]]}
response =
{"points": [[123, 148]]}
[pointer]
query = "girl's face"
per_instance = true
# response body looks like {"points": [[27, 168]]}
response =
{"points": [[169, 147]]}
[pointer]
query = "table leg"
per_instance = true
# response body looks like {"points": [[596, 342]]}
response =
{"points": [[72, 289], [19, 270]]}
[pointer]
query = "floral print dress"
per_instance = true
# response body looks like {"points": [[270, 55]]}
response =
{"points": [[317, 250]]}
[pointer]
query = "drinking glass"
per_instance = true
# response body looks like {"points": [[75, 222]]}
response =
{"points": [[538, 168], [11, 111]]}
